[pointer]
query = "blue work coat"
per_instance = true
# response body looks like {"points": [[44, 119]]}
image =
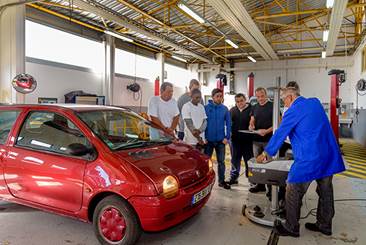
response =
{"points": [[315, 149], [218, 122]]}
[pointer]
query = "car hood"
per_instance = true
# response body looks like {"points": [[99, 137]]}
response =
{"points": [[179, 160]]}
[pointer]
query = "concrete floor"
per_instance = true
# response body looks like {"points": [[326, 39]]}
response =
{"points": [[219, 222]]}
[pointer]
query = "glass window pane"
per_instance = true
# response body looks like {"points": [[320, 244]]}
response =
{"points": [[51, 132], [47, 43], [122, 130], [7, 120]]}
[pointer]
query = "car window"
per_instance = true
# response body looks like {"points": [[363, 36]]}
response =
{"points": [[51, 132], [121, 130], [7, 120]]}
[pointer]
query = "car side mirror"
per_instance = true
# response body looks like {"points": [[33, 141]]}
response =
{"points": [[79, 150]]}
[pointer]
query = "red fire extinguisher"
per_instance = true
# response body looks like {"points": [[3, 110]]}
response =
{"points": [[157, 86]]}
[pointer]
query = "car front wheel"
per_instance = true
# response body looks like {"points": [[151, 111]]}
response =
{"points": [[115, 222]]}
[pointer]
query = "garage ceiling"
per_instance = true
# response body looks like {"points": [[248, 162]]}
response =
{"points": [[276, 29]]}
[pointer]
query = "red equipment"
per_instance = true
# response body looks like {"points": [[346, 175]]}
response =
{"points": [[337, 78], [250, 85], [157, 87]]}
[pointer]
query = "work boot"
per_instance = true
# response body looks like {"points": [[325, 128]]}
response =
{"points": [[282, 231], [233, 182], [315, 227], [225, 185], [257, 188]]}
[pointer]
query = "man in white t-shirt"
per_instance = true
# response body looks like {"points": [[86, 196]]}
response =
{"points": [[163, 110], [195, 120]]}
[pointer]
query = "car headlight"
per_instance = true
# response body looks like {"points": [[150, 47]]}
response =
{"points": [[170, 187], [210, 165]]}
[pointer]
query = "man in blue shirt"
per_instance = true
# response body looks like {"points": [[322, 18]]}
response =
{"points": [[218, 132], [317, 157]]}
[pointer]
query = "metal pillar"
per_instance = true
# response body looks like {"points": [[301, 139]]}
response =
{"points": [[161, 58], [269, 210], [109, 49], [12, 50], [250, 85]]}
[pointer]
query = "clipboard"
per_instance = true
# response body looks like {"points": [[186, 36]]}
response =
{"points": [[249, 131]]}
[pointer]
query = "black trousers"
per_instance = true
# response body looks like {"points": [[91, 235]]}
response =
{"points": [[241, 150], [325, 211]]}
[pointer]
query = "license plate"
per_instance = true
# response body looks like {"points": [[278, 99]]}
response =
{"points": [[202, 194]]}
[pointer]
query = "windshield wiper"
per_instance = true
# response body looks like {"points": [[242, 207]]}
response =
{"points": [[142, 144]]}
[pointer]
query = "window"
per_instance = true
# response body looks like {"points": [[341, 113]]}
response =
{"points": [[50, 132], [47, 43], [7, 120], [129, 64], [121, 130]]}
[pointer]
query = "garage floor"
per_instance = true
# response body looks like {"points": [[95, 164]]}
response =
{"points": [[220, 222]]}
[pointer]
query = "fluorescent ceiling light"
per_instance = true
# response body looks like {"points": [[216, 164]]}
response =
{"points": [[232, 44], [251, 59], [325, 35], [330, 3], [179, 58], [191, 13], [118, 36], [324, 54]]}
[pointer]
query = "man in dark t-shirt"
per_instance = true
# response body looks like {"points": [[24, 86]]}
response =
{"points": [[242, 143], [261, 120]]}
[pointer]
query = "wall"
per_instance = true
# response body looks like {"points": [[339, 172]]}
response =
{"points": [[311, 75], [124, 97], [54, 80]]}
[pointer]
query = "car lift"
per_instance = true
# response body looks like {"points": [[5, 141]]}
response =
{"points": [[337, 77]]}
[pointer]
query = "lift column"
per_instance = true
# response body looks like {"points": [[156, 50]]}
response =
{"points": [[337, 77], [250, 85]]}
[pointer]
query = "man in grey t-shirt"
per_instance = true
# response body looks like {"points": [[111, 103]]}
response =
{"points": [[193, 84]]}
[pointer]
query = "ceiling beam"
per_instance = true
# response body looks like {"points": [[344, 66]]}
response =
{"points": [[336, 19], [118, 19], [133, 7], [242, 14], [284, 14]]}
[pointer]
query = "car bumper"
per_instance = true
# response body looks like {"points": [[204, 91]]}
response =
{"points": [[157, 213]]}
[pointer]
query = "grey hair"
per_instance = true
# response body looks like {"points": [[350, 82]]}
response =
{"points": [[290, 91], [164, 85], [194, 82]]}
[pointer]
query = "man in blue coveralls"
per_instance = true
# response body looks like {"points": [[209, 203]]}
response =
{"points": [[317, 157]]}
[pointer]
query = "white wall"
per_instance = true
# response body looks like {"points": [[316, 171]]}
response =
{"points": [[310, 74], [54, 82], [124, 97]]}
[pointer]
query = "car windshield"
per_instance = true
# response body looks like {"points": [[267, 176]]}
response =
{"points": [[121, 129]]}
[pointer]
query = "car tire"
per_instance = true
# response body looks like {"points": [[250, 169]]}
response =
{"points": [[115, 222]]}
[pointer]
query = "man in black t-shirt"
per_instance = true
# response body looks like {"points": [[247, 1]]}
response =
{"points": [[242, 143], [261, 120]]}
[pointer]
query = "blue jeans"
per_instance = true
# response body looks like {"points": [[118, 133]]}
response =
{"points": [[219, 147]]}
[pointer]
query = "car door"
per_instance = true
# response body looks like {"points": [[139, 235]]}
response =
{"points": [[7, 120], [39, 167]]}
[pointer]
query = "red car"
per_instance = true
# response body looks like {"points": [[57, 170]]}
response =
{"points": [[100, 164]]}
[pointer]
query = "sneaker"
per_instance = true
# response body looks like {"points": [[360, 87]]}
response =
{"points": [[257, 188], [315, 227], [282, 231], [225, 185], [233, 182]]}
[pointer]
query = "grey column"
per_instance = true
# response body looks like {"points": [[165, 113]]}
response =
{"points": [[161, 58], [12, 49], [109, 49]]}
